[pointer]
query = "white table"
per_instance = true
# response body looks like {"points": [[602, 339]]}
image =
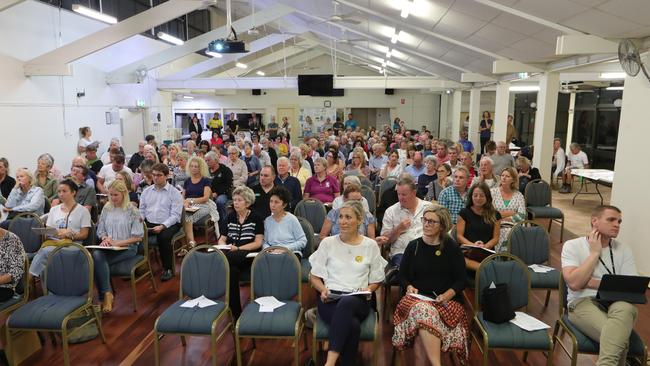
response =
{"points": [[597, 176]]}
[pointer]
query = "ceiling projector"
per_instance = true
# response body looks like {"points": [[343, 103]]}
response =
{"points": [[227, 46]]}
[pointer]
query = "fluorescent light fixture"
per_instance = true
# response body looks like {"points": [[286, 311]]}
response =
{"points": [[612, 75], [383, 64], [241, 66], [93, 14], [188, 97], [394, 38], [389, 54], [381, 71], [406, 8], [524, 88], [261, 73], [213, 54], [169, 38], [614, 88]]}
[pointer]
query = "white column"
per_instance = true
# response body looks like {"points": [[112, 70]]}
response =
{"points": [[628, 193], [456, 123], [474, 117], [444, 116], [501, 111], [569, 125], [549, 86]]}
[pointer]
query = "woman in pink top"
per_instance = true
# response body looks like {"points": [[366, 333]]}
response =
{"points": [[322, 186]]}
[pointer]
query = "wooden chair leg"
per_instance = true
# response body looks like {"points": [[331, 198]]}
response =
{"points": [[183, 341], [134, 292], [156, 349], [213, 349], [8, 345], [238, 350], [64, 341], [153, 280]]}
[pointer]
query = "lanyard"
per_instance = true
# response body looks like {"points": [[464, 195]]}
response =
{"points": [[611, 258]]}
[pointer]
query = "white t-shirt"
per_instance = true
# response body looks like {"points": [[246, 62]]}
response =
{"points": [[345, 267], [576, 251], [84, 142], [578, 160], [79, 218], [394, 215], [109, 174]]}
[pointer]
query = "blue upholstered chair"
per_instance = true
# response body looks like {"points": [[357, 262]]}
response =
{"points": [[313, 211], [68, 292], [580, 343], [275, 272], [369, 195], [129, 268], [530, 243], [308, 250], [539, 204], [369, 333], [202, 273], [505, 268], [22, 225]]}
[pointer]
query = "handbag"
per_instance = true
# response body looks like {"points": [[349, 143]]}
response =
{"points": [[496, 303]]}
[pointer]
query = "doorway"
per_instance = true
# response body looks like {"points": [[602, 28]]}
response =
{"points": [[132, 126]]}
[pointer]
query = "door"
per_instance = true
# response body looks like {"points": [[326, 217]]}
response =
{"points": [[290, 113], [132, 127]]}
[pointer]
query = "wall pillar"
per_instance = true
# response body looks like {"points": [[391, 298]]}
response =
{"points": [[549, 87], [454, 118], [501, 111], [474, 117]]}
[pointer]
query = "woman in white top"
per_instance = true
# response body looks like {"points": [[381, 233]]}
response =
{"points": [[392, 168], [71, 221], [345, 263], [85, 135], [510, 203]]}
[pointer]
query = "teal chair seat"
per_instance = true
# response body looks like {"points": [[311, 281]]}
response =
{"points": [[305, 269], [546, 212], [281, 322], [587, 345], [367, 328], [123, 268], [544, 280], [45, 312], [177, 319], [14, 300], [508, 335]]}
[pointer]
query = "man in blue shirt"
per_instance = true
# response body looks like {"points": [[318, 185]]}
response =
{"points": [[467, 145], [455, 196], [292, 184], [161, 206], [351, 123], [417, 168]]}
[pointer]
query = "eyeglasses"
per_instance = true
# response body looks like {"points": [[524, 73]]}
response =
{"points": [[426, 221]]}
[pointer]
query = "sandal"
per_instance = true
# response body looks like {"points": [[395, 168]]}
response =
{"points": [[107, 304]]}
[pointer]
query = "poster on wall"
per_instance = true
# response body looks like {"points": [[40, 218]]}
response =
{"points": [[315, 120]]}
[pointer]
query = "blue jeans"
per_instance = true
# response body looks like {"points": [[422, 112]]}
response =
{"points": [[221, 201], [103, 260], [396, 259]]}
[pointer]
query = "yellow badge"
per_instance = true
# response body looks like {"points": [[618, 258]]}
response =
{"points": [[358, 259], [438, 253]]}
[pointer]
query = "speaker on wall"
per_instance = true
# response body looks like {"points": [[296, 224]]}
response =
{"points": [[389, 91], [257, 91]]}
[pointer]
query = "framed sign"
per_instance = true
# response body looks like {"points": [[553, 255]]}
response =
{"points": [[327, 104]]}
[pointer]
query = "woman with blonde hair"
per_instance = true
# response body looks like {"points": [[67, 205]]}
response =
{"points": [[179, 174], [191, 146], [26, 196], [509, 202], [296, 168], [43, 178], [119, 225], [197, 193], [174, 150], [526, 173], [358, 165]]}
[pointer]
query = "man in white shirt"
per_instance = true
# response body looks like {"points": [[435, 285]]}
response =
{"points": [[584, 262], [402, 221], [577, 160], [107, 174], [559, 159]]}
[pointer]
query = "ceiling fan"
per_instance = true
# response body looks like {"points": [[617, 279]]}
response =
{"points": [[337, 17]]}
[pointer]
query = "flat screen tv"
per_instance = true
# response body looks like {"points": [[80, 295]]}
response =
{"points": [[315, 85]]}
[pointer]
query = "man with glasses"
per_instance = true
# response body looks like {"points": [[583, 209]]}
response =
{"points": [[455, 196], [262, 192], [161, 206], [402, 221], [221, 186]]}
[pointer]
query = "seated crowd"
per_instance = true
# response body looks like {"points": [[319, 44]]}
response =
{"points": [[442, 210]]}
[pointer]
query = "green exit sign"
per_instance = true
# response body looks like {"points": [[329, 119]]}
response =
{"points": [[139, 103]]}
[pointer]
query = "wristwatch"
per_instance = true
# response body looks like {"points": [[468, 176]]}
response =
{"points": [[191, 201]]}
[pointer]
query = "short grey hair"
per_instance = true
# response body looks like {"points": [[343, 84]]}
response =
{"points": [[322, 161], [353, 179], [47, 159], [211, 155], [574, 145], [245, 193], [233, 149], [283, 159], [431, 158], [485, 158]]}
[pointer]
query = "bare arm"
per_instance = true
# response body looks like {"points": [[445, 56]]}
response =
{"points": [[578, 278]]}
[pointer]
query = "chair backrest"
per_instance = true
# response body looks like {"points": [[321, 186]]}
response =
{"points": [[365, 182], [22, 225], [529, 242], [143, 246], [276, 272], [309, 233], [538, 193], [504, 268], [205, 273], [369, 195], [69, 271], [47, 206], [386, 184], [313, 210]]}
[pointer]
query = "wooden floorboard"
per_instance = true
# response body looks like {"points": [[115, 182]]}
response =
{"points": [[129, 334]]}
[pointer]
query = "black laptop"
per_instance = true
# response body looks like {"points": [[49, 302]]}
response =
{"points": [[623, 288]]}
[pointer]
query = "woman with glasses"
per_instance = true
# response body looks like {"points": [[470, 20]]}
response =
{"points": [[443, 180], [431, 316]]}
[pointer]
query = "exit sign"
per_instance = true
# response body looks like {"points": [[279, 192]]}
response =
{"points": [[139, 103]]}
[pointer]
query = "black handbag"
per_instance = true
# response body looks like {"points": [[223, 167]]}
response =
{"points": [[496, 304]]}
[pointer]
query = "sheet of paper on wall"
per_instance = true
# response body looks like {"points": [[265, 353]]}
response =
{"points": [[527, 322]]}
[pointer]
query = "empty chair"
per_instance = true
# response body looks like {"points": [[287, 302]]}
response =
{"points": [[539, 205], [22, 225], [313, 211], [386, 184], [68, 292], [202, 274], [305, 266], [369, 195]]}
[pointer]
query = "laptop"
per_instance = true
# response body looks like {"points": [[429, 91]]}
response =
{"points": [[623, 288]]}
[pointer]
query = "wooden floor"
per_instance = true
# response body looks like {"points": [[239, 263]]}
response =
{"points": [[129, 335]]}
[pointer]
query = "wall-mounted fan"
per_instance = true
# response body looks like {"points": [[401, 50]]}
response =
{"points": [[630, 59]]}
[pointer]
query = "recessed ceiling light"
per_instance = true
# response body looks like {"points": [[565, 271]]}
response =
{"points": [[188, 97], [612, 75], [406, 8], [241, 66], [261, 73], [524, 88], [614, 88], [169, 38], [93, 14]]}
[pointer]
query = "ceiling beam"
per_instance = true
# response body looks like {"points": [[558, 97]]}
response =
{"points": [[394, 61], [267, 59], [532, 18], [294, 61], [126, 74], [214, 63], [6, 4], [47, 63], [393, 82], [510, 66], [352, 54], [584, 44], [468, 77], [408, 26]]}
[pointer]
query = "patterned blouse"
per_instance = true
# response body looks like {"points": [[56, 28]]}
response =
{"points": [[120, 224], [11, 258]]}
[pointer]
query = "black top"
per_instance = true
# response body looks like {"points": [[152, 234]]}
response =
{"points": [[261, 205], [134, 162], [475, 228], [198, 128], [232, 124], [423, 181], [241, 234], [292, 184], [338, 126], [428, 272], [274, 157], [7, 185], [244, 125], [96, 166], [221, 180]]}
